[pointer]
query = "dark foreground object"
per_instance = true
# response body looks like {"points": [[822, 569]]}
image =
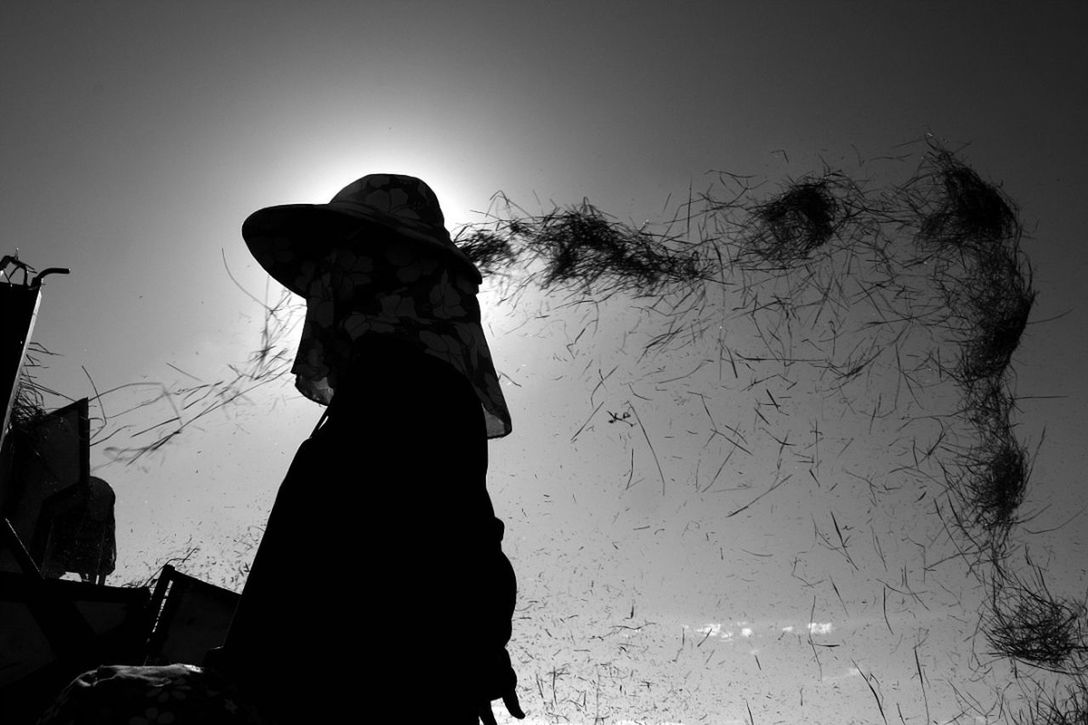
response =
{"points": [[381, 568], [135, 695]]}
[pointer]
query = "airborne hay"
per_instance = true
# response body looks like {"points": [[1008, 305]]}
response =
{"points": [[803, 218], [989, 295], [489, 251], [988, 407], [973, 230], [184, 405], [582, 248], [997, 301], [1056, 708], [960, 209], [1027, 623], [991, 485], [969, 233], [28, 405]]}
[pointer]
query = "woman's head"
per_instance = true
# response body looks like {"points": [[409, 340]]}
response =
{"points": [[377, 260]]}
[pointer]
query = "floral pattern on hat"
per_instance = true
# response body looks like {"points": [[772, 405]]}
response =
{"points": [[401, 290]]}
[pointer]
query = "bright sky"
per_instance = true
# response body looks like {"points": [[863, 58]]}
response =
{"points": [[136, 137]]}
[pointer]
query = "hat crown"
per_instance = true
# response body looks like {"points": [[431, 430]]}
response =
{"points": [[281, 237], [404, 198]]}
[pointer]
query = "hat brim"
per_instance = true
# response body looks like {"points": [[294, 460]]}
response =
{"points": [[282, 237]]}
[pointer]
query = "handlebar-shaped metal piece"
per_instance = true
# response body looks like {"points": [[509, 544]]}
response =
{"points": [[47, 271]]}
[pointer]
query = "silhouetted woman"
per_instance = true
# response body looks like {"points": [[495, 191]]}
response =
{"points": [[380, 592]]}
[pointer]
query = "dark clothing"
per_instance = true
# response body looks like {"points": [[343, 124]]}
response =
{"points": [[380, 587]]}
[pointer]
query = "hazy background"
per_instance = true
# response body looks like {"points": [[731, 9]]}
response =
{"points": [[136, 137]]}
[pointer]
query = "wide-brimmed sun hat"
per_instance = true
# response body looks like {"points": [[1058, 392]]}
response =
{"points": [[282, 237]]}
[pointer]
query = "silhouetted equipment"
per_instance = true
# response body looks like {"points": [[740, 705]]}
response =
{"points": [[75, 532], [58, 514], [189, 617], [50, 630], [62, 515], [56, 518], [18, 311]]}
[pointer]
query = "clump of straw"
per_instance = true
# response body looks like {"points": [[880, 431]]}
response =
{"points": [[805, 216], [1029, 624], [965, 211], [489, 251], [998, 298], [580, 246], [971, 233], [993, 482], [989, 407], [28, 407]]}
